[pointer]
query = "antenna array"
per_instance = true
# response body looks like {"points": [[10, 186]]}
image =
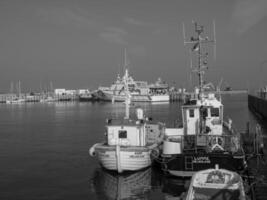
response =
{"points": [[197, 43]]}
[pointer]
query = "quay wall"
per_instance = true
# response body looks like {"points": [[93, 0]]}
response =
{"points": [[39, 97], [258, 105], [183, 96], [178, 96]]}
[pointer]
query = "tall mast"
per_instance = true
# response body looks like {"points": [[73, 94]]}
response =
{"points": [[11, 88], [51, 88], [126, 63], [127, 94], [19, 89], [197, 43]]}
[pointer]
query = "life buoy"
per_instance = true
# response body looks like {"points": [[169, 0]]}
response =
{"points": [[155, 153], [208, 129], [164, 167], [92, 151], [217, 143]]}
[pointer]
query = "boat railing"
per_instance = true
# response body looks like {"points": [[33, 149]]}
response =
{"points": [[208, 143]]}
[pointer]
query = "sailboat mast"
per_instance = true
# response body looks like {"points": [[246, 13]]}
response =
{"points": [[127, 99], [126, 70], [51, 87], [11, 88], [19, 89]]}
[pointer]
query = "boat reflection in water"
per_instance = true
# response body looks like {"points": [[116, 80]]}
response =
{"points": [[174, 188], [149, 183], [111, 185]]}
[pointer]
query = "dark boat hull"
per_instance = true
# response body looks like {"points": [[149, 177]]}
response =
{"points": [[187, 164]]}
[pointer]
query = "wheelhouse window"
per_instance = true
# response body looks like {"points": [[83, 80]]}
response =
{"points": [[191, 113], [214, 112], [122, 134]]}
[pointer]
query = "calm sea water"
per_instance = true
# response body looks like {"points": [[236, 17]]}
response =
{"points": [[44, 151]]}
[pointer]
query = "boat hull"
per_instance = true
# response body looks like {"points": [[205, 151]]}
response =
{"points": [[49, 99], [185, 165], [18, 101], [160, 98], [89, 98], [133, 185], [120, 158], [105, 96], [216, 184]]}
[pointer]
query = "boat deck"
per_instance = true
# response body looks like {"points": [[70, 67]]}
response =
{"points": [[106, 147]]}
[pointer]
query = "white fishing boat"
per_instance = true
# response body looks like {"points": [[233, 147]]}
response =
{"points": [[130, 144], [216, 184]]}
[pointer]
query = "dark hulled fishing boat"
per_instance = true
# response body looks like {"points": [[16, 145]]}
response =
{"points": [[204, 139]]}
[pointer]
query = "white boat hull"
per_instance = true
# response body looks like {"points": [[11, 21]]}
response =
{"points": [[120, 158], [18, 101], [216, 184], [106, 96], [160, 98]]}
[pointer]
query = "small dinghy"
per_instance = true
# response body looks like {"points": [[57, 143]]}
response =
{"points": [[216, 184]]}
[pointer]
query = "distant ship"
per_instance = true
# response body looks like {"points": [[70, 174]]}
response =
{"points": [[86, 97], [140, 91]]}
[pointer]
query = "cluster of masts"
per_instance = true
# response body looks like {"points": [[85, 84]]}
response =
{"points": [[16, 88]]}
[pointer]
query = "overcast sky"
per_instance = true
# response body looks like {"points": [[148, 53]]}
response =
{"points": [[79, 44]]}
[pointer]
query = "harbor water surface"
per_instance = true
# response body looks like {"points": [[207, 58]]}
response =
{"points": [[44, 151]]}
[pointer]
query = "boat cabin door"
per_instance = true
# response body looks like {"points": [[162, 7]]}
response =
{"points": [[191, 120]]}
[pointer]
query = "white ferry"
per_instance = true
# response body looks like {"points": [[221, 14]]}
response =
{"points": [[140, 91]]}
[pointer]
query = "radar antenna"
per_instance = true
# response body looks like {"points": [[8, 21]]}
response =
{"points": [[196, 43]]}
